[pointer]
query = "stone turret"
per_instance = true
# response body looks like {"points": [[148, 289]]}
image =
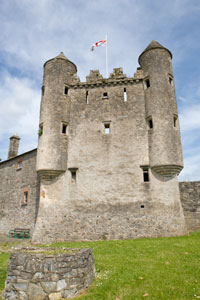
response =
{"points": [[165, 152], [14, 146], [59, 73]]}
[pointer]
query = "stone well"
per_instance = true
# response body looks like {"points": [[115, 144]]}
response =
{"points": [[48, 273]]}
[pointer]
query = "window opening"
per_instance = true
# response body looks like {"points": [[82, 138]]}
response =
{"points": [[142, 206], [19, 165], [40, 131], [175, 121], [107, 128], [66, 90], [145, 170], [125, 95], [25, 198], [146, 175], [86, 97], [147, 83], [43, 88], [171, 81], [150, 123], [64, 128], [73, 174], [105, 95]]}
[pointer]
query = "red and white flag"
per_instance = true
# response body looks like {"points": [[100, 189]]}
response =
{"points": [[97, 44]]}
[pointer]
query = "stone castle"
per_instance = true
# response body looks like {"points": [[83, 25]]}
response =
{"points": [[109, 153]]}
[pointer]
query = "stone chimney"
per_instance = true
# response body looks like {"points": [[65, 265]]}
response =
{"points": [[14, 146]]}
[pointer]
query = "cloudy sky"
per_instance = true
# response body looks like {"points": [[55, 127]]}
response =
{"points": [[35, 31]]}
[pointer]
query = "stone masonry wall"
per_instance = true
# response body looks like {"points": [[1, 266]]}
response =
{"points": [[190, 199], [48, 274], [18, 180]]}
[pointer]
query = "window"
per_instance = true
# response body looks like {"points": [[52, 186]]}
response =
{"points": [[64, 128], [150, 122], [147, 83], [125, 95], [43, 88], [73, 174], [145, 170], [66, 90], [86, 97], [107, 128], [25, 198], [105, 95], [175, 120], [142, 206], [19, 165], [171, 82], [40, 131]]}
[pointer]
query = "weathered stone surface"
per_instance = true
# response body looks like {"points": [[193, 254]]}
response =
{"points": [[35, 292], [55, 296], [48, 287], [54, 283]]}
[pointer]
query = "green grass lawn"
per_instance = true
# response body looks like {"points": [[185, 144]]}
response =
{"points": [[159, 268]]}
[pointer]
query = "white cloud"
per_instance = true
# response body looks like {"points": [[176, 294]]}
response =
{"points": [[19, 112]]}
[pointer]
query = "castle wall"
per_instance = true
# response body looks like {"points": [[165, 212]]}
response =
{"points": [[108, 199], [190, 199], [19, 180]]}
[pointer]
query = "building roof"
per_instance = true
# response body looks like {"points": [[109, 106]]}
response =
{"points": [[154, 45], [61, 56]]}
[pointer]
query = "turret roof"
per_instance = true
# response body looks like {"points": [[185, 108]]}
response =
{"points": [[61, 56], [154, 45]]}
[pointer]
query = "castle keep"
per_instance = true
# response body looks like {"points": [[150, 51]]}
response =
{"points": [[108, 157]]}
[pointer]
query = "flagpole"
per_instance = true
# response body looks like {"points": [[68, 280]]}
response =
{"points": [[106, 56]]}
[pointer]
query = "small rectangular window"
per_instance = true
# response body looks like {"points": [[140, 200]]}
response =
{"points": [[66, 89], [43, 88], [73, 174], [150, 122], [125, 95], [25, 198], [171, 82], [105, 95], [64, 128], [86, 97], [147, 83], [175, 121], [145, 170], [19, 165], [40, 131], [107, 128]]}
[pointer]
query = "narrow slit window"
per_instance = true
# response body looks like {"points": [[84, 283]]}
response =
{"points": [[25, 198], [87, 97], [107, 128], [150, 123], [73, 174], [64, 128], [175, 121], [40, 131], [66, 90], [147, 83], [105, 95], [125, 95], [171, 81], [43, 88]]}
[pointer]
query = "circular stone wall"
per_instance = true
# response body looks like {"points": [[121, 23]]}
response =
{"points": [[48, 273]]}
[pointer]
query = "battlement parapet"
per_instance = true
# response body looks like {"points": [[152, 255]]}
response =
{"points": [[95, 79]]}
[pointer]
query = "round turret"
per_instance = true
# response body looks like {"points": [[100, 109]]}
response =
{"points": [[52, 154], [165, 152]]}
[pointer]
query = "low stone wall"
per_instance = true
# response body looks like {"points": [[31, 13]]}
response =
{"points": [[48, 274], [190, 199]]}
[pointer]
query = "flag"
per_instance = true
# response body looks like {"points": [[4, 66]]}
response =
{"points": [[97, 44]]}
